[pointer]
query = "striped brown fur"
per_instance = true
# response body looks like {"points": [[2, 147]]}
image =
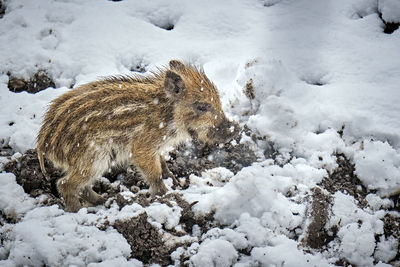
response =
{"points": [[125, 120]]}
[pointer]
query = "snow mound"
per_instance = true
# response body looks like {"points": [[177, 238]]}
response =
{"points": [[48, 235], [378, 167]]}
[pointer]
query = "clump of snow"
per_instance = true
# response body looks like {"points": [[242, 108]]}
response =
{"points": [[345, 211], [386, 249], [120, 262], [376, 203], [164, 215], [217, 177], [14, 203], [283, 251], [364, 8], [260, 80], [358, 243], [357, 229], [390, 10], [236, 238], [25, 113], [217, 252], [49, 236], [378, 166]]}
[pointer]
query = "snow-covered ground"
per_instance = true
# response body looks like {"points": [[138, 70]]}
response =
{"points": [[317, 78]]}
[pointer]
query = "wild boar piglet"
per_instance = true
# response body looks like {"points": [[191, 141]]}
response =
{"points": [[128, 120]]}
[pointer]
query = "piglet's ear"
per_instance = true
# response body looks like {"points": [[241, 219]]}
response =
{"points": [[176, 65], [173, 83]]}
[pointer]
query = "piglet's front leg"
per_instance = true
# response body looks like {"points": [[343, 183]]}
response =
{"points": [[166, 173], [150, 166]]}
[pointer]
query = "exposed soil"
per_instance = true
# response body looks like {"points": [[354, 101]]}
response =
{"points": [[249, 89], [389, 27], [344, 179], [188, 160], [38, 82], [2, 9], [146, 242], [5, 149], [392, 228], [317, 236], [28, 174], [168, 26]]}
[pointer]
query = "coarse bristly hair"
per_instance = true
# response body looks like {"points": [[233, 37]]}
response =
{"points": [[127, 120]]}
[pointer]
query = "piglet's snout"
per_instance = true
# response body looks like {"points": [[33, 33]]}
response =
{"points": [[224, 132]]}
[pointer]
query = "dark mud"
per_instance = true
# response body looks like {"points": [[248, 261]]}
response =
{"points": [[2, 8], [317, 236], [344, 179], [392, 228], [38, 82], [188, 160], [389, 27], [147, 243], [145, 240], [28, 174]]}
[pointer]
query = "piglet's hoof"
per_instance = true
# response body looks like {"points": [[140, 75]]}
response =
{"points": [[158, 190]]}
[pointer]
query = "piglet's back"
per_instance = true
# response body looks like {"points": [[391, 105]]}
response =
{"points": [[111, 109]]}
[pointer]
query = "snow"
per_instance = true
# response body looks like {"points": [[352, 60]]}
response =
{"points": [[47, 235], [14, 203], [215, 252], [386, 249], [358, 229], [284, 252], [378, 165], [390, 10], [162, 214], [317, 78]]}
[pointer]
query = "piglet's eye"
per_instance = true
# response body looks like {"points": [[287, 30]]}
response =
{"points": [[202, 107]]}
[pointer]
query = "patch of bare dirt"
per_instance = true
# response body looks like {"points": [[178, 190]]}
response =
{"points": [[345, 180], [2, 8], [392, 228], [342, 179], [194, 159], [249, 89], [389, 27], [28, 174], [147, 243], [317, 236], [38, 82], [145, 240]]}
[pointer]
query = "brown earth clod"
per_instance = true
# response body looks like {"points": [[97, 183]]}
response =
{"points": [[2, 8], [146, 242], [28, 174], [345, 180], [38, 82], [317, 236]]}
